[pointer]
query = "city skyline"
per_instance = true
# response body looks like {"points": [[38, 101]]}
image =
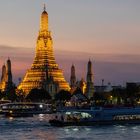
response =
{"points": [[112, 43]]}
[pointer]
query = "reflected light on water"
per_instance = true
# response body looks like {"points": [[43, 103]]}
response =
{"points": [[44, 135], [41, 117], [66, 130], [87, 129], [10, 118], [75, 129], [31, 128]]}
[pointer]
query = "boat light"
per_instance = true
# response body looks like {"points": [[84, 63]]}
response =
{"points": [[11, 111], [41, 106], [68, 113]]}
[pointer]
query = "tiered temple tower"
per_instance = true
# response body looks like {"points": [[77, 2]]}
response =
{"points": [[44, 72], [6, 77], [90, 86]]}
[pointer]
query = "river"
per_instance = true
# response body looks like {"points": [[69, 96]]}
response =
{"points": [[37, 128]]}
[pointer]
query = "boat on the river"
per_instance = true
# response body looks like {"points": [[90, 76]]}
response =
{"points": [[3, 102], [97, 116], [24, 109]]}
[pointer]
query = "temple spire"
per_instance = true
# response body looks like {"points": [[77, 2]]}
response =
{"points": [[44, 7], [73, 77], [90, 86], [44, 20]]}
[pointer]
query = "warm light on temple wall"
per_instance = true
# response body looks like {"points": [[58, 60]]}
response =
{"points": [[44, 65]]}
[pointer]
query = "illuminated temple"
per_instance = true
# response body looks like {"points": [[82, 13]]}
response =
{"points": [[44, 72], [6, 83]]}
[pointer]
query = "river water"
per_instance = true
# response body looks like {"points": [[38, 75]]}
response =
{"points": [[37, 128]]}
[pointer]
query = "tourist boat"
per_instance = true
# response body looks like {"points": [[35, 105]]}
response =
{"points": [[24, 109], [3, 102], [90, 117]]}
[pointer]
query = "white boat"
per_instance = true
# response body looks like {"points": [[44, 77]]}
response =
{"points": [[24, 109], [115, 115]]}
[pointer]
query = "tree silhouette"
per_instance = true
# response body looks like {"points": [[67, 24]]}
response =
{"points": [[63, 95], [1, 95], [78, 91], [9, 94], [36, 95]]}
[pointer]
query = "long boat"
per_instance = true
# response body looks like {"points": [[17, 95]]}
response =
{"points": [[24, 109], [97, 115]]}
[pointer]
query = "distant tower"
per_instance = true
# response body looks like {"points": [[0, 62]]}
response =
{"points": [[90, 86], [3, 76], [73, 77], [8, 71], [6, 78]]}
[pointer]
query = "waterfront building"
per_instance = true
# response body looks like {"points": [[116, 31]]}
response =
{"points": [[78, 99], [89, 84], [6, 77], [44, 72], [103, 88]]}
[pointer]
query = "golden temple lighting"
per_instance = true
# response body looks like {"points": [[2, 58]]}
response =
{"points": [[44, 72], [6, 78]]}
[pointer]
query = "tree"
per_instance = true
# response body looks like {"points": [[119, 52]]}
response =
{"points": [[36, 95], [21, 95], [63, 95], [132, 89], [1, 95], [78, 91], [119, 93], [9, 94], [99, 98]]}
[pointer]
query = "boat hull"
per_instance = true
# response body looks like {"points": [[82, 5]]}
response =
{"points": [[91, 123], [24, 109], [18, 114], [101, 116]]}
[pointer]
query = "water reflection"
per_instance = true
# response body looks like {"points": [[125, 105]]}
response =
{"points": [[41, 117], [37, 128]]}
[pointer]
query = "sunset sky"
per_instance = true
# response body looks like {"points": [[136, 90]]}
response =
{"points": [[106, 31]]}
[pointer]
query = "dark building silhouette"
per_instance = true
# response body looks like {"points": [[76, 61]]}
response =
{"points": [[90, 85], [73, 77]]}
